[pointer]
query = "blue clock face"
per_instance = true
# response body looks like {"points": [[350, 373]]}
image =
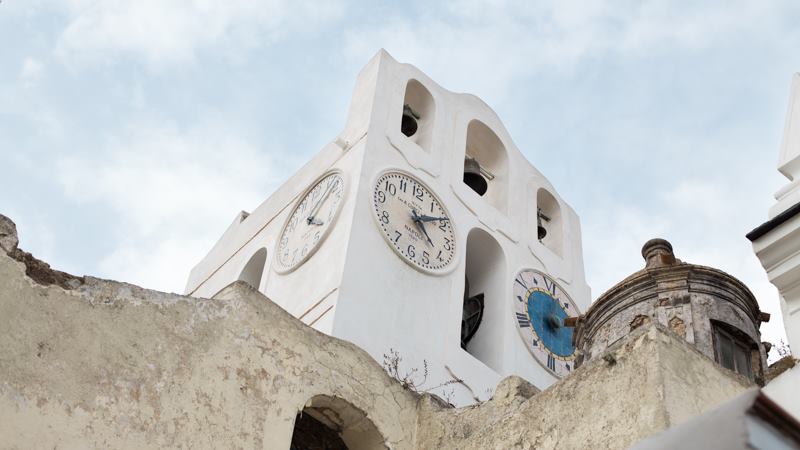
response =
{"points": [[540, 308]]}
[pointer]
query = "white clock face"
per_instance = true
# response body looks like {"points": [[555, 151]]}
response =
{"points": [[414, 222], [310, 222], [540, 308]]}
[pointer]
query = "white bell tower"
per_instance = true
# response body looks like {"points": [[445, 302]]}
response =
{"points": [[440, 170]]}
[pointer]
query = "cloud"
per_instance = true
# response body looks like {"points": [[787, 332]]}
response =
{"points": [[171, 191], [485, 46], [165, 33], [31, 72]]}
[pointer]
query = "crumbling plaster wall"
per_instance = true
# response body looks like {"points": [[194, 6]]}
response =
{"points": [[649, 382], [111, 365], [89, 363]]}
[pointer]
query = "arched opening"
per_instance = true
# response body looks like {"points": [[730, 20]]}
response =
{"points": [[254, 269], [486, 165], [484, 290], [549, 229], [330, 423], [419, 111]]}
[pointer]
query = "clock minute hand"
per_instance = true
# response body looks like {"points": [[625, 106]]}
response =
{"points": [[313, 220], [424, 218]]}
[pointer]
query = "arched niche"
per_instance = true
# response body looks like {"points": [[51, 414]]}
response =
{"points": [[335, 424], [485, 273], [254, 269], [419, 114], [549, 225], [486, 149]]}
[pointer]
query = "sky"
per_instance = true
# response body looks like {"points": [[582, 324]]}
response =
{"points": [[132, 132]]}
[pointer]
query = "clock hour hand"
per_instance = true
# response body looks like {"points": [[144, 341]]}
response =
{"points": [[420, 225]]}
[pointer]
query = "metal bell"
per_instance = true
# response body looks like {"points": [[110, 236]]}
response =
{"points": [[540, 229], [408, 126], [473, 176]]}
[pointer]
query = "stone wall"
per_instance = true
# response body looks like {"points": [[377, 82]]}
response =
{"points": [[651, 381], [112, 365], [90, 363]]}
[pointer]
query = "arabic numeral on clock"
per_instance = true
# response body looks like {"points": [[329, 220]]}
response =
{"points": [[410, 251], [443, 225], [418, 192], [447, 244], [385, 217], [403, 185], [426, 258], [398, 235], [390, 188], [381, 196]]}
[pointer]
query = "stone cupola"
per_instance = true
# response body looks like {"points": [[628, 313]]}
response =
{"points": [[710, 309]]}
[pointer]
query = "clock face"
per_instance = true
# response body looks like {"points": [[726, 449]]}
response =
{"points": [[540, 308], [310, 222], [414, 222]]}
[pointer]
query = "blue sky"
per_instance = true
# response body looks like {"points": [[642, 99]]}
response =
{"points": [[132, 132]]}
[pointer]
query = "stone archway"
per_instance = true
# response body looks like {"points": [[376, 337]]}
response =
{"points": [[330, 423]]}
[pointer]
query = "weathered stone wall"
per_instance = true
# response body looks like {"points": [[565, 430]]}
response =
{"points": [[111, 365], [653, 380], [89, 363]]}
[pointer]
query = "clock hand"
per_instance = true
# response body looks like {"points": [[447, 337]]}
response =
{"points": [[425, 218], [311, 219], [420, 225]]}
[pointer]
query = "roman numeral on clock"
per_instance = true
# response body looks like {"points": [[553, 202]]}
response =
{"points": [[551, 287], [523, 320], [551, 363]]}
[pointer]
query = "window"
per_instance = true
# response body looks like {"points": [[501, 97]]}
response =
{"points": [[732, 350]]}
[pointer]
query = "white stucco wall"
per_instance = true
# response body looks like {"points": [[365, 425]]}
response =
{"points": [[371, 297]]}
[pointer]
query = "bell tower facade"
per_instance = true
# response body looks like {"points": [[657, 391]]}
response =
{"points": [[421, 231]]}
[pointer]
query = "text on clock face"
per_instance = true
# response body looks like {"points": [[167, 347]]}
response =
{"points": [[414, 221]]}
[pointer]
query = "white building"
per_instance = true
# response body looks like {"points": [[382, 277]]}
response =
{"points": [[372, 239], [777, 244]]}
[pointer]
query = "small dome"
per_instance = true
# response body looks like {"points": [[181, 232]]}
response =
{"points": [[706, 307]]}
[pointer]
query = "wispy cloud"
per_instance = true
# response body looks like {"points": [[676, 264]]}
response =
{"points": [[486, 46], [165, 33], [172, 191]]}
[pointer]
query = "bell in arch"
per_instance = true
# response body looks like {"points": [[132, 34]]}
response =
{"points": [[408, 126], [540, 229], [471, 315], [473, 176]]}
